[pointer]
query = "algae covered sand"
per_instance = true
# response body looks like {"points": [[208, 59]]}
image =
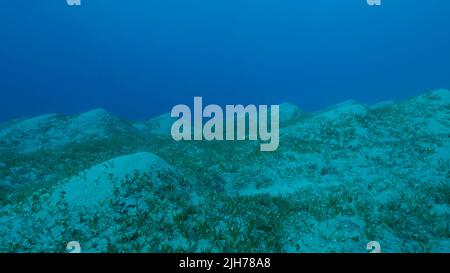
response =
{"points": [[341, 177]]}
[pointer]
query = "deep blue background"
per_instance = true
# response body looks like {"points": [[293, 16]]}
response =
{"points": [[139, 58]]}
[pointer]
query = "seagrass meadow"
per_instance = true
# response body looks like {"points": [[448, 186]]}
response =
{"points": [[341, 177]]}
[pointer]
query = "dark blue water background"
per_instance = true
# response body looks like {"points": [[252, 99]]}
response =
{"points": [[138, 58]]}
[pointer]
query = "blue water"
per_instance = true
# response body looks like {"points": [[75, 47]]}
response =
{"points": [[139, 58]]}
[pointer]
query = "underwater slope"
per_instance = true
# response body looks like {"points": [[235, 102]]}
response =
{"points": [[53, 130], [342, 177], [102, 205]]}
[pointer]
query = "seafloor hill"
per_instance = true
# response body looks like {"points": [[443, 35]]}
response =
{"points": [[341, 178]]}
